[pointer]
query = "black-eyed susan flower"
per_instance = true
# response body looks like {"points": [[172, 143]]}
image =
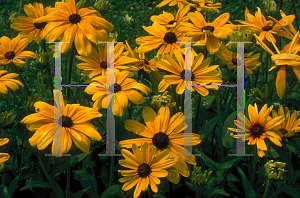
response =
{"points": [[202, 73], [96, 63], [164, 132], [274, 170], [171, 20], [161, 37], [70, 24], [208, 34], [145, 168], [75, 125], [12, 50], [205, 5], [283, 59], [173, 2], [259, 25], [7, 80], [26, 26], [4, 156], [124, 90], [290, 125], [258, 128], [230, 59]]}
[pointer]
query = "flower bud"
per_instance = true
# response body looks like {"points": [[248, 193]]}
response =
{"points": [[6, 120], [101, 5], [80, 4], [13, 15]]}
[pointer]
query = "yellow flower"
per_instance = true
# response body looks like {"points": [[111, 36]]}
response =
{"points": [[164, 132], [4, 156], [259, 25], [26, 25], [161, 37], [171, 20], [124, 90], [274, 170], [283, 59], [12, 50], [96, 63], [146, 169], [205, 6], [202, 73], [75, 125], [8, 81], [71, 24], [230, 59], [163, 100], [207, 33], [173, 2], [258, 128], [290, 125]]}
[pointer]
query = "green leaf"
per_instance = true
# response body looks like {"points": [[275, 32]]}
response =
{"points": [[229, 122], [209, 162], [231, 177], [158, 195], [208, 127], [246, 184], [290, 191], [206, 102], [13, 186], [81, 175], [36, 184], [80, 193], [61, 164], [190, 185], [111, 191], [229, 142], [3, 190]]}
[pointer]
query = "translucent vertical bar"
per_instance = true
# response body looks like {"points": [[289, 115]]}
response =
{"points": [[57, 141], [110, 126], [240, 145]]}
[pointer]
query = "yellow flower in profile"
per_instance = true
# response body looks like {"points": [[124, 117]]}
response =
{"points": [[146, 168], [205, 5], [202, 73], [173, 2], [161, 37], [12, 50], [164, 133], [26, 25], [259, 25], [4, 156], [96, 63], [124, 90], [258, 128], [70, 24], [208, 34], [171, 20], [290, 125], [230, 59], [283, 59], [6, 80], [75, 125]]}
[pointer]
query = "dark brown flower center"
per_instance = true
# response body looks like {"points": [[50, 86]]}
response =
{"points": [[160, 140], [257, 130], [182, 75], [210, 28], [144, 170], [117, 88], [103, 65], [65, 121], [74, 18], [283, 131], [171, 22], [267, 28], [40, 25], [146, 62], [234, 61], [9, 55], [170, 38]]}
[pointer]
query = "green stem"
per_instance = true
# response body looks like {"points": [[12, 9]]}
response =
{"points": [[267, 64], [182, 102], [174, 96], [254, 164], [42, 83], [47, 176], [139, 75], [267, 189], [198, 110], [220, 124], [68, 177], [129, 112], [70, 70], [22, 79], [20, 8], [111, 174], [93, 174]]}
